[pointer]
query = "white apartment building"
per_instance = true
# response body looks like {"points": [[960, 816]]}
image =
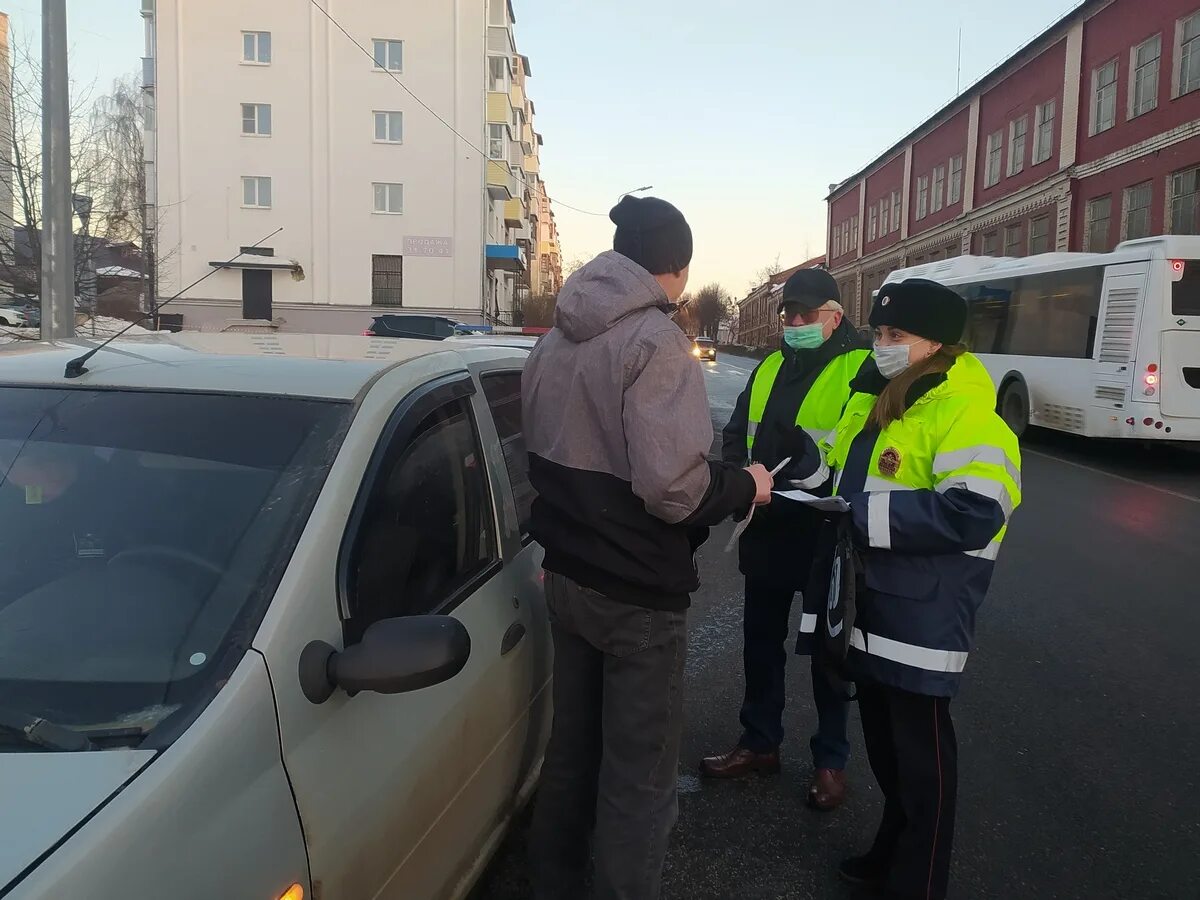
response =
{"points": [[265, 116]]}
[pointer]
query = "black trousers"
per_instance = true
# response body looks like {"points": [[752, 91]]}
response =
{"points": [[913, 753]]}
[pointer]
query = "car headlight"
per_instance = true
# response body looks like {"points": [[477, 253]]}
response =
{"points": [[695, 351]]}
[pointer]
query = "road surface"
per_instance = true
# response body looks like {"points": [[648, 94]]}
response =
{"points": [[1078, 723]]}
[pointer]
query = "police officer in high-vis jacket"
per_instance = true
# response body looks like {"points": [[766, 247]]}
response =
{"points": [[804, 384], [932, 475]]}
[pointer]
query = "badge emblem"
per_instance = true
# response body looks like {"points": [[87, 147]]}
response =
{"points": [[885, 301], [889, 462]]}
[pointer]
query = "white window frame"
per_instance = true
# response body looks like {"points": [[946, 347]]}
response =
{"points": [[507, 67], [257, 182], [1018, 140], [1126, 208], [1173, 197], [1017, 228], [873, 224], [939, 189], [1090, 216], [1141, 73], [897, 210], [837, 241], [256, 58], [388, 45], [954, 185], [258, 120], [390, 190], [503, 139], [387, 117], [922, 197], [1043, 132], [1104, 95], [884, 221], [993, 159], [1049, 243], [1192, 49]]}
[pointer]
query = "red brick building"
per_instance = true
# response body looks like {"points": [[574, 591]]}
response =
{"points": [[758, 312], [1087, 136]]}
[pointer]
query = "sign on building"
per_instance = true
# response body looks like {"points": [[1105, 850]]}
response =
{"points": [[428, 246]]}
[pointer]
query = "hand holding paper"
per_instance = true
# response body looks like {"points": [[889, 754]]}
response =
{"points": [[745, 523], [825, 504]]}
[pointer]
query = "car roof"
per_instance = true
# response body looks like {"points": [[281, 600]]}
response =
{"points": [[327, 366]]}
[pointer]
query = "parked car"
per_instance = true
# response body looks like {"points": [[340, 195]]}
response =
{"points": [[704, 348], [270, 619], [398, 325], [13, 317]]}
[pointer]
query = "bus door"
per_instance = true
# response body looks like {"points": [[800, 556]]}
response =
{"points": [[1180, 363], [1122, 303]]}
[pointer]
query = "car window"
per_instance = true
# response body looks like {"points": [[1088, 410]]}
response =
{"points": [[503, 392], [427, 529], [442, 328]]}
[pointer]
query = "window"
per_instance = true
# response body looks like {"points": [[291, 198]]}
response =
{"points": [[873, 226], [1013, 239], [1188, 31], [256, 118], [1137, 211], [497, 141], [837, 241], [1043, 138], [389, 55], [389, 127], [922, 197], [1143, 83], [389, 198], [939, 188], [895, 210], [503, 392], [498, 12], [854, 232], [1099, 214], [1017, 131], [995, 153], [387, 280], [1185, 208], [991, 244], [1185, 293], [954, 194], [1104, 97], [256, 48], [256, 192], [426, 529], [1039, 235], [883, 217], [498, 77]]}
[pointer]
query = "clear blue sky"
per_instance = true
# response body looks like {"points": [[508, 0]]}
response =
{"points": [[740, 113]]}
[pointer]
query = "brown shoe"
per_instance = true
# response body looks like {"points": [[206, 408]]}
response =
{"points": [[738, 762], [828, 789]]}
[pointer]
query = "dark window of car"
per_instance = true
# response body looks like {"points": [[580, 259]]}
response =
{"points": [[503, 392], [443, 328], [704, 342], [427, 530]]}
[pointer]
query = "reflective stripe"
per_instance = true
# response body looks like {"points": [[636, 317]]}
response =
{"points": [[751, 429], [814, 480], [879, 521], [991, 551], [985, 487], [927, 658], [817, 434], [808, 623], [875, 484], [952, 460]]}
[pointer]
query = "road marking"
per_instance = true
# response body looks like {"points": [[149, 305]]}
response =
{"points": [[1067, 462]]}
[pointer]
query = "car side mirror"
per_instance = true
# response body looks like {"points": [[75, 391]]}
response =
{"points": [[395, 656]]}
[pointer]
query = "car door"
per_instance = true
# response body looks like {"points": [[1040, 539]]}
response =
{"points": [[396, 792]]}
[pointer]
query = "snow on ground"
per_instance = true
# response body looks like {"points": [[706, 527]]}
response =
{"points": [[105, 328]]}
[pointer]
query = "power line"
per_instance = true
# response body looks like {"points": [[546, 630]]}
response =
{"points": [[429, 109]]}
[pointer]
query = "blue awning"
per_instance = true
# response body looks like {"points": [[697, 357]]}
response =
{"points": [[509, 257]]}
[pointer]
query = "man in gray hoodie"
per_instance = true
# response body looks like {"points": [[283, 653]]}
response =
{"points": [[618, 430]]}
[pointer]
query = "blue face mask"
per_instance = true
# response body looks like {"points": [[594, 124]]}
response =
{"points": [[804, 337]]}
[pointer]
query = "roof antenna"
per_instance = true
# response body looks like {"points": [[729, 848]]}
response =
{"points": [[78, 366], [958, 78]]}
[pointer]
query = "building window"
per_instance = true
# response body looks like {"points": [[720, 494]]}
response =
{"points": [[1013, 239], [1143, 83], [895, 210], [1039, 235], [837, 241], [256, 192], [922, 197], [995, 153], [389, 199], [991, 244], [1043, 138], [256, 119], [498, 76], [1188, 39], [389, 127], [883, 217], [873, 224], [854, 233], [256, 48], [1104, 97], [1099, 215], [1017, 131], [956, 181], [389, 55], [939, 188], [387, 280], [497, 139], [1185, 202], [1137, 211]]}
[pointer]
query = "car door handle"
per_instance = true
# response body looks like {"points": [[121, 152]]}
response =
{"points": [[512, 637]]}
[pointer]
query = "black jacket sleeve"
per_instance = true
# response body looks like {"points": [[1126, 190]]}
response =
{"points": [[733, 435], [730, 491]]}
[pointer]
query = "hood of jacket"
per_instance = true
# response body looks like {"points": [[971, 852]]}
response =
{"points": [[602, 293]]}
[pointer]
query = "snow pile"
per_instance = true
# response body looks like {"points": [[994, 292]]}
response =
{"points": [[105, 327]]}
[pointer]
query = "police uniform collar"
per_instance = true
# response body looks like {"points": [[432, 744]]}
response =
{"points": [[870, 381]]}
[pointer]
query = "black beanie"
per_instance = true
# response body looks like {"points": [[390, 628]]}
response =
{"points": [[810, 288], [653, 233], [921, 307]]}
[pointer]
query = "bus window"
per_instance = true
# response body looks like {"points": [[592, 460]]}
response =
{"points": [[1185, 293], [1049, 314]]}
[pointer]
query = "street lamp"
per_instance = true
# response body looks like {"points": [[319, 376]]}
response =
{"points": [[648, 187]]}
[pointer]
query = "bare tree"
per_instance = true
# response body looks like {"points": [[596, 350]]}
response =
{"points": [[764, 274], [712, 306], [538, 311]]}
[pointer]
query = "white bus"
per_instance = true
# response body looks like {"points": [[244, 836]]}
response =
{"points": [[1099, 344]]}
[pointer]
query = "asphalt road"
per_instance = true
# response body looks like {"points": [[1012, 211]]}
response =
{"points": [[1078, 723]]}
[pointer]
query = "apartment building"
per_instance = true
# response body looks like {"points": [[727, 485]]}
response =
{"points": [[320, 179], [1087, 136]]}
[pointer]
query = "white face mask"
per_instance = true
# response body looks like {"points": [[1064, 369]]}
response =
{"points": [[893, 359]]}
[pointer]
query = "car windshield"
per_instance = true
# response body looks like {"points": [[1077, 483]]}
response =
{"points": [[143, 535], [704, 342]]}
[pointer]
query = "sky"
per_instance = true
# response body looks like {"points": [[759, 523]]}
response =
{"points": [[741, 114]]}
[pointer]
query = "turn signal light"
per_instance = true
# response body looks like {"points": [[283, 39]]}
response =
{"points": [[295, 892]]}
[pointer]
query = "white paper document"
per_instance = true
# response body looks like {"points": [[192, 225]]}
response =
{"points": [[826, 504], [745, 523]]}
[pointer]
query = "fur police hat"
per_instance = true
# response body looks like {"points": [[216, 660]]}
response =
{"points": [[921, 307]]}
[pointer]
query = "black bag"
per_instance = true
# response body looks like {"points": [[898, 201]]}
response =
{"points": [[836, 577]]}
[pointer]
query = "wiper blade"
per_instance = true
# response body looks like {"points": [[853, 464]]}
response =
{"points": [[42, 732]]}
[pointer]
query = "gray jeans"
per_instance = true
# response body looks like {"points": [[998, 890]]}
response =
{"points": [[611, 764]]}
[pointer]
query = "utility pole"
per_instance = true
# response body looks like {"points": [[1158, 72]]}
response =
{"points": [[58, 241]]}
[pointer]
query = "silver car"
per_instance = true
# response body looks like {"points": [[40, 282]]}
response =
{"points": [[271, 624]]}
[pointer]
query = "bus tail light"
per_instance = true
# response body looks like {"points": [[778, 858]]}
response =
{"points": [[1151, 379]]}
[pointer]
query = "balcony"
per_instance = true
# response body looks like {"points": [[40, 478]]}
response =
{"points": [[505, 257], [499, 108], [514, 213], [517, 95], [500, 181], [148, 72]]}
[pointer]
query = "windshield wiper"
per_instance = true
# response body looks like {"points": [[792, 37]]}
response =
{"points": [[42, 732]]}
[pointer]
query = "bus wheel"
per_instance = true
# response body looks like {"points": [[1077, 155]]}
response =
{"points": [[1014, 408]]}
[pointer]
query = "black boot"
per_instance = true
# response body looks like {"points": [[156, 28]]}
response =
{"points": [[865, 870]]}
